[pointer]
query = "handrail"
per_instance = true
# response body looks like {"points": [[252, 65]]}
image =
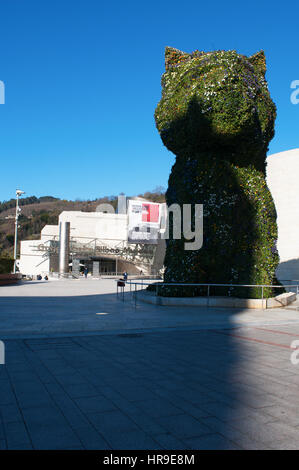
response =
{"points": [[215, 285], [208, 285]]}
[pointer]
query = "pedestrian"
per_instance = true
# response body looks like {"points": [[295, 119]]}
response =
{"points": [[85, 272], [125, 275]]}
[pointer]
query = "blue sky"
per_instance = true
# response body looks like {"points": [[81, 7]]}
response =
{"points": [[82, 82]]}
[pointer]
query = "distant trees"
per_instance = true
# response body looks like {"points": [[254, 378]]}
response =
{"points": [[6, 265], [10, 238], [36, 223], [156, 195], [5, 205], [48, 199]]}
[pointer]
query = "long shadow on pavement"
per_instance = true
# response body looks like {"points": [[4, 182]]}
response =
{"points": [[171, 389]]}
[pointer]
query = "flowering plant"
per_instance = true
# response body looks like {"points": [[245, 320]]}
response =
{"points": [[217, 116]]}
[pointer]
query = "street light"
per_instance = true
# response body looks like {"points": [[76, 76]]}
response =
{"points": [[19, 193]]}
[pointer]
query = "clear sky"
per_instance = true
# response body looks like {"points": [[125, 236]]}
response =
{"points": [[82, 80]]}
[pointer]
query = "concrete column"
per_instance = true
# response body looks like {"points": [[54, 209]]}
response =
{"points": [[96, 269], [64, 248]]}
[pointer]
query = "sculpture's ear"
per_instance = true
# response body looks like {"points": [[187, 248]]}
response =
{"points": [[258, 61], [174, 57]]}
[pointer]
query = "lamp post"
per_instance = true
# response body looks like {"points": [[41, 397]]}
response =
{"points": [[19, 193]]}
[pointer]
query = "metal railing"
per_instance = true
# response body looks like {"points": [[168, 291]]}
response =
{"points": [[141, 277], [121, 250], [207, 285]]}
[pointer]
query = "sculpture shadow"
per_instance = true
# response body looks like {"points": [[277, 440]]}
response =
{"points": [[176, 381]]}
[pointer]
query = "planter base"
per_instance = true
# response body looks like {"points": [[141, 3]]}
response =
{"points": [[279, 301], [6, 279]]}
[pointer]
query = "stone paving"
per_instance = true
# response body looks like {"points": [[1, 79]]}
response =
{"points": [[214, 387], [89, 306]]}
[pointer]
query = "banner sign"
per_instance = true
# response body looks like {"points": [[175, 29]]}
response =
{"points": [[143, 221]]}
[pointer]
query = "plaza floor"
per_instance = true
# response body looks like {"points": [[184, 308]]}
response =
{"points": [[87, 370]]}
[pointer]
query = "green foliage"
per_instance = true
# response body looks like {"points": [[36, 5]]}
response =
{"points": [[156, 195], [48, 199], [36, 223], [216, 101], [5, 205], [25, 201], [10, 238], [6, 265], [217, 116]]}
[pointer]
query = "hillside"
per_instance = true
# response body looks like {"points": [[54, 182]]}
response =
{"points": [[38, 212]]}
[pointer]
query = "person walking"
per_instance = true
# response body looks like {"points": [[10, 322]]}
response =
{"points": [[85, 272]]}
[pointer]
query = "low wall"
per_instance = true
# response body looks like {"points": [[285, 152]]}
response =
{"points": [[274, 302], [6, 279]]}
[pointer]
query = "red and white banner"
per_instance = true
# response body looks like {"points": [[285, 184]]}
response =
{"points": [[143, 221]]}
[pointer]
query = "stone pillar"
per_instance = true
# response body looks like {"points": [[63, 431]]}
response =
{"points": [[96, 269], [64, 248], [76, 268]]}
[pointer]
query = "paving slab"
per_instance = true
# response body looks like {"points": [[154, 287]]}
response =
{"points": [[91, 306], [204, 411], [149, 378]]}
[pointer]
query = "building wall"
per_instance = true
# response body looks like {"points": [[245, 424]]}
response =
{"points": [[87, 226], [50, 232], [32, 260], [283, 182]]}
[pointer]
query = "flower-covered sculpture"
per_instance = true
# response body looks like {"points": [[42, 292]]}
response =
{"points": [[216, 115]]}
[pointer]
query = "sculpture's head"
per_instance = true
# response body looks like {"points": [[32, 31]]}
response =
{"points": [[215, 100]]}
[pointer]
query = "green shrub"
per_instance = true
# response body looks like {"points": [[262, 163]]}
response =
{"points": [[10, 238], [217, 116], [6, 265]]}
